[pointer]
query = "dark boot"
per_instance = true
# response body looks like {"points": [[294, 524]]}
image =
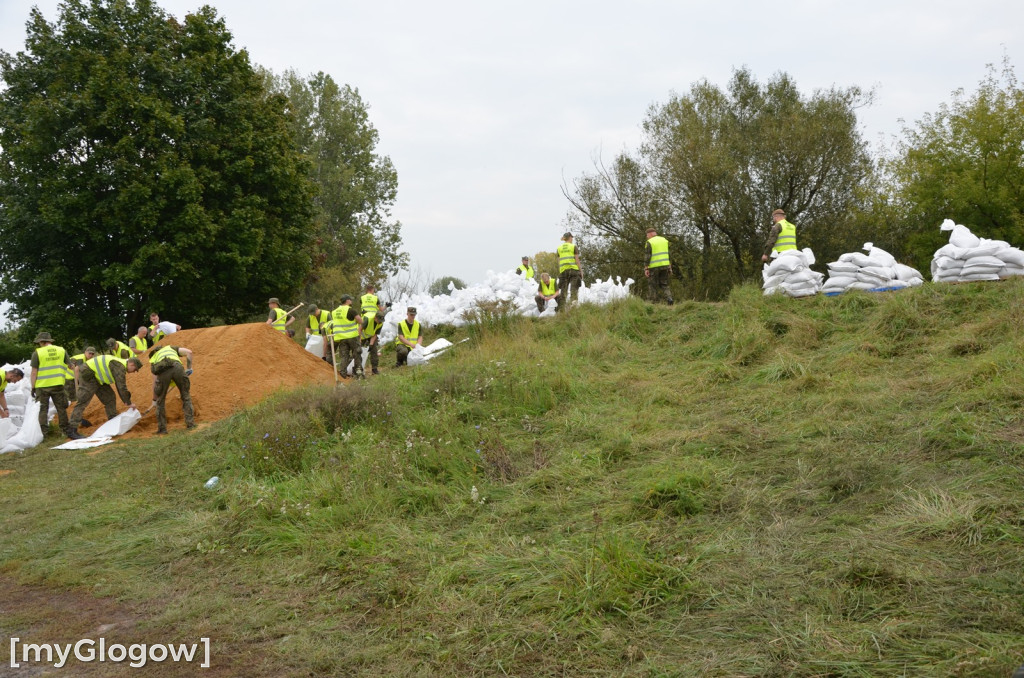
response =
{"points": [[73, 434], [86, 423]]}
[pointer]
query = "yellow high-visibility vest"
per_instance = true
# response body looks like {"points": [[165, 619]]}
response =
{"points": [[369, 303], [548, 289], [659, 252], [139, 343], [341, 326], [528, 270], [318, 323], [158, 333], [567, 257], [371, 325], [52, 370], [119, 349], [410, 333], [787, 237], [164, 353], [100, 365], [280, 320]]}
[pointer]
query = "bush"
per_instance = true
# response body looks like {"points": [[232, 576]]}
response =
{"points": [[440, 286]]}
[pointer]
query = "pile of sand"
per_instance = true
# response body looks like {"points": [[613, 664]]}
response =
{"points": [[236, 366]]}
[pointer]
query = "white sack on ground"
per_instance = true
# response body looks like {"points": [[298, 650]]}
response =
{"points": [[968, 258], [874, 271], [315, 345], [789, 273], [119, 425], [29, 435]]}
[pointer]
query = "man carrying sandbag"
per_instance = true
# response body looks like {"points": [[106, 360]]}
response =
{"points": [[95, 377]]}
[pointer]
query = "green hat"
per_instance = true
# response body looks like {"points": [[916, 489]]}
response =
{"points": [[43, 336]]}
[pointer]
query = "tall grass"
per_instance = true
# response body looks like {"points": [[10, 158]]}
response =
{"points": [[763, 486]]}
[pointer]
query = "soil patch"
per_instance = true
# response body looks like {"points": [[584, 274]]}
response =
{"points": [[236, 366]]}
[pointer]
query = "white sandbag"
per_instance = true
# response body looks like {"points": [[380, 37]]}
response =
{"points": [[904, 272], [982, 265], [799, 277], [315, 345], [119, 425], [837, 284], [803, 292], [775, 280], [945, 263], [950, 251], [843, 267], [167, 327], [783, 264], [416, 356], [961, 236], [1010, 255], [981, 251], [6, 429], [977, 277], [864, 276], [29, 435], [999, 244], [1008, 270], [880, 256], [858, 259], [883, 272], [866, 286]]}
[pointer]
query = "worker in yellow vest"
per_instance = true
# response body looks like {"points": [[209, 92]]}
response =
{"points": [[570, 275], [95, 377], [657, 266], [525, 269], [319, 321], [346, 331], [119, 349], [11, 376], [369, 302], [547, 291], [409, 336], [155, 332], [49, 372], [70, 380], [782, 236], [165, 364], [372, 324], [139, 344], [278, 318]]}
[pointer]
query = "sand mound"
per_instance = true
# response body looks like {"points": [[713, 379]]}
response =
{"points": [[236, 366]]}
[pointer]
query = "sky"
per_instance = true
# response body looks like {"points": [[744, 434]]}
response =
{"points": [[487, 109]]}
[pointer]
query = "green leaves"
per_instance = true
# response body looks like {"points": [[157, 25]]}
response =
{"points": [[142, 157]]}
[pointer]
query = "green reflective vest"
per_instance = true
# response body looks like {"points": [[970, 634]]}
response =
{"points": [[548, 289], [100, 365], [280, 320], [139, 343], [659, 252], [369, 303], [410, 333], [787, 237], [318, 323], [567, 257], [52, 370], [528, 270], [341, 326]]}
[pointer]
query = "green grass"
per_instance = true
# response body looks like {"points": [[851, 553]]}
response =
{"points": [[761, 487]]}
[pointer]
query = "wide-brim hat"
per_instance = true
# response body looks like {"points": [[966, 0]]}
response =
{"points": [[411, 310], [273, 300], [43, 336]]}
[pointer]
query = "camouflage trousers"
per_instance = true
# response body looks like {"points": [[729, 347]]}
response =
{"points": [[169, 372], [60, 400]]}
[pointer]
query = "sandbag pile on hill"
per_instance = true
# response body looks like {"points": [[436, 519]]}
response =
{"points": [[507, 287], [876, 270], [969, 258], [790, 273]]}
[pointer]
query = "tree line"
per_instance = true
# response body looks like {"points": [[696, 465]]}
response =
{"points": [[714, 162], [146, 164]]}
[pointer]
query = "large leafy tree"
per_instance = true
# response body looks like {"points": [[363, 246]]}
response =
{"points": [[966, 163], [144, 166], [713, 165], [357, 240]]}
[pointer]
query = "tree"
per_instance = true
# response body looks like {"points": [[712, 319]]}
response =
{"points": [[714, 164], [357, 240], [440, 286], [966, 163], [143, 167]]}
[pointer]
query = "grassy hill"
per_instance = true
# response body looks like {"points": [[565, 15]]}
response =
{"points": [[761, 487]]}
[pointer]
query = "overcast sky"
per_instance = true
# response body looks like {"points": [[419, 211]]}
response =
{"points": [[486, 107]]}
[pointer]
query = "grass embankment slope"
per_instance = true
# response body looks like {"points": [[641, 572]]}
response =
{"points": [[767, 486]]}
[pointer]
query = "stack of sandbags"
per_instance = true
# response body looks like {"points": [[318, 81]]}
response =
{"points": [[875, 271], [790, 273], [968, 258]]}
